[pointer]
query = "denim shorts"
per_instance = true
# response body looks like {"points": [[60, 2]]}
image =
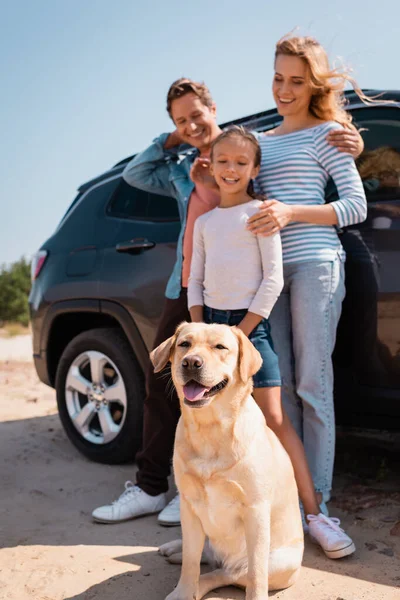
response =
{"points": [[269, 374]]}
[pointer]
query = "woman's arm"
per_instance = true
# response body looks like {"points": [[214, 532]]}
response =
{"points": [[349, 209], [274, 216], [196, 277]]}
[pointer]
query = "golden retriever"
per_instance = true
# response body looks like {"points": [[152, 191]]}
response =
{"points": [[235, 479]]}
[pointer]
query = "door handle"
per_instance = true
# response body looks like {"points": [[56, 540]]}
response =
{"points": [[135, 246]]}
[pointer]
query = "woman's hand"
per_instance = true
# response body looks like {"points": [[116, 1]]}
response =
{"points": [[200, 173], [346, 140], [271, 218]]}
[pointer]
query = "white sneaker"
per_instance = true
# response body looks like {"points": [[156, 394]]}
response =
{"points": [[171, 515], [326, 532], [132, 503]]}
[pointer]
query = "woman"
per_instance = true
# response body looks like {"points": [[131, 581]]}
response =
{"points": [[297, 161], [296, 165]]}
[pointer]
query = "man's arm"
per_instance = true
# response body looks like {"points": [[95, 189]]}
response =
{"points": [[173, 141], [347, 140], [149, 170]]}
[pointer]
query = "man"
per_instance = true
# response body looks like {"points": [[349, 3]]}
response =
{"points": [[164, 168]]}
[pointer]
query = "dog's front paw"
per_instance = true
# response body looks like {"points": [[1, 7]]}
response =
{"points": [[181, 593], [171, 548]]}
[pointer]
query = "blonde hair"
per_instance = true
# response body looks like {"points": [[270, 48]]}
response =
{"points": [[327, 84]]}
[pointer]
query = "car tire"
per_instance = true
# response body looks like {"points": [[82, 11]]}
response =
{"points": [[106, 352]]}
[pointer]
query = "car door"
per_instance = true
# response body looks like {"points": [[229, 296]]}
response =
{"points": [[140, 254], [368, 347]]}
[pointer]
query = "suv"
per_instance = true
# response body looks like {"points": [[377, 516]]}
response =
{"points": [[99, 281]]}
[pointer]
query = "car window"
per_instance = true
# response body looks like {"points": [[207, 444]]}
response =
{"points": [[128, 202], [379, 164]]}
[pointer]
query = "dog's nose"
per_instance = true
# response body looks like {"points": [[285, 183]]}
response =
{"points": [[192, 362]]}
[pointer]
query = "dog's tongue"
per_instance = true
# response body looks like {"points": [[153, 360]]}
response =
{"points": [[194, 391]]}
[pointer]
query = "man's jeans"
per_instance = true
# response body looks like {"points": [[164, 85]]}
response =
{"points": [[303, 327]]}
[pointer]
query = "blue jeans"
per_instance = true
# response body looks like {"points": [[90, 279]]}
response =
{"points": [[303, 326], [260, 337]]}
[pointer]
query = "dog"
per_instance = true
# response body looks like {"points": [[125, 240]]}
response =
{"points": [[235, 480]]}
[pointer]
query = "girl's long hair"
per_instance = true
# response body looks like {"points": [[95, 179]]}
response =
{"points": [[327, 84]]}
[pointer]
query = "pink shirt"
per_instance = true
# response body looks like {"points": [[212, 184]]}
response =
{"points": [[201, 201]]}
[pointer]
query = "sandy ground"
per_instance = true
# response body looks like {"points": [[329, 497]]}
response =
{"points": [[16, 348], [51, 550]]}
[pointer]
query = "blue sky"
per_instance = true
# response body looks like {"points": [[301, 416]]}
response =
{"points": [[84, 83]]}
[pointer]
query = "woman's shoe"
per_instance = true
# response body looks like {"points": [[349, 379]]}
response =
{"points": [[325, 531]]}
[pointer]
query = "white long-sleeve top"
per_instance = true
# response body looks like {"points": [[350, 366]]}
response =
{"points": [[233, 268]]}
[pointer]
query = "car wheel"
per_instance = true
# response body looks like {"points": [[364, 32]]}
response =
{"points": [[100, 393]]}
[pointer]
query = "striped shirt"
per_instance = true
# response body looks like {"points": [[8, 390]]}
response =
{"points": [[295, 168]]}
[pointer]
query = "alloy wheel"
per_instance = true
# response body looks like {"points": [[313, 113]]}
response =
{"points": [[95, 396]]}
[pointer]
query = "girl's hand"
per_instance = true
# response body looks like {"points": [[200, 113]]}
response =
{"points": [[249, 322], [346, 140], [196, 313], [200, 173], [271, 218]]}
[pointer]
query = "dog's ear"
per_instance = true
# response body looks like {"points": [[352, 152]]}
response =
{"points": [[250, 360], [161, 355]]}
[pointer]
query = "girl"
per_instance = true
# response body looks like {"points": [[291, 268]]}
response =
{"points": [[236, 278]]}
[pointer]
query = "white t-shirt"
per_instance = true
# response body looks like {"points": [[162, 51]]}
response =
{"points": [[233, 268]]}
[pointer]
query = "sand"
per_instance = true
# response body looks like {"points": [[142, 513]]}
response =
{"points": [[51, 549]]}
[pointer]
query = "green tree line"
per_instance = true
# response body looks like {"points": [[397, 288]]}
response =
{"points": [[15, 283]]}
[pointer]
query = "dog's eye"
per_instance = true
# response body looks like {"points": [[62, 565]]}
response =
{"points": [[221, 347], [184, 344]]}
